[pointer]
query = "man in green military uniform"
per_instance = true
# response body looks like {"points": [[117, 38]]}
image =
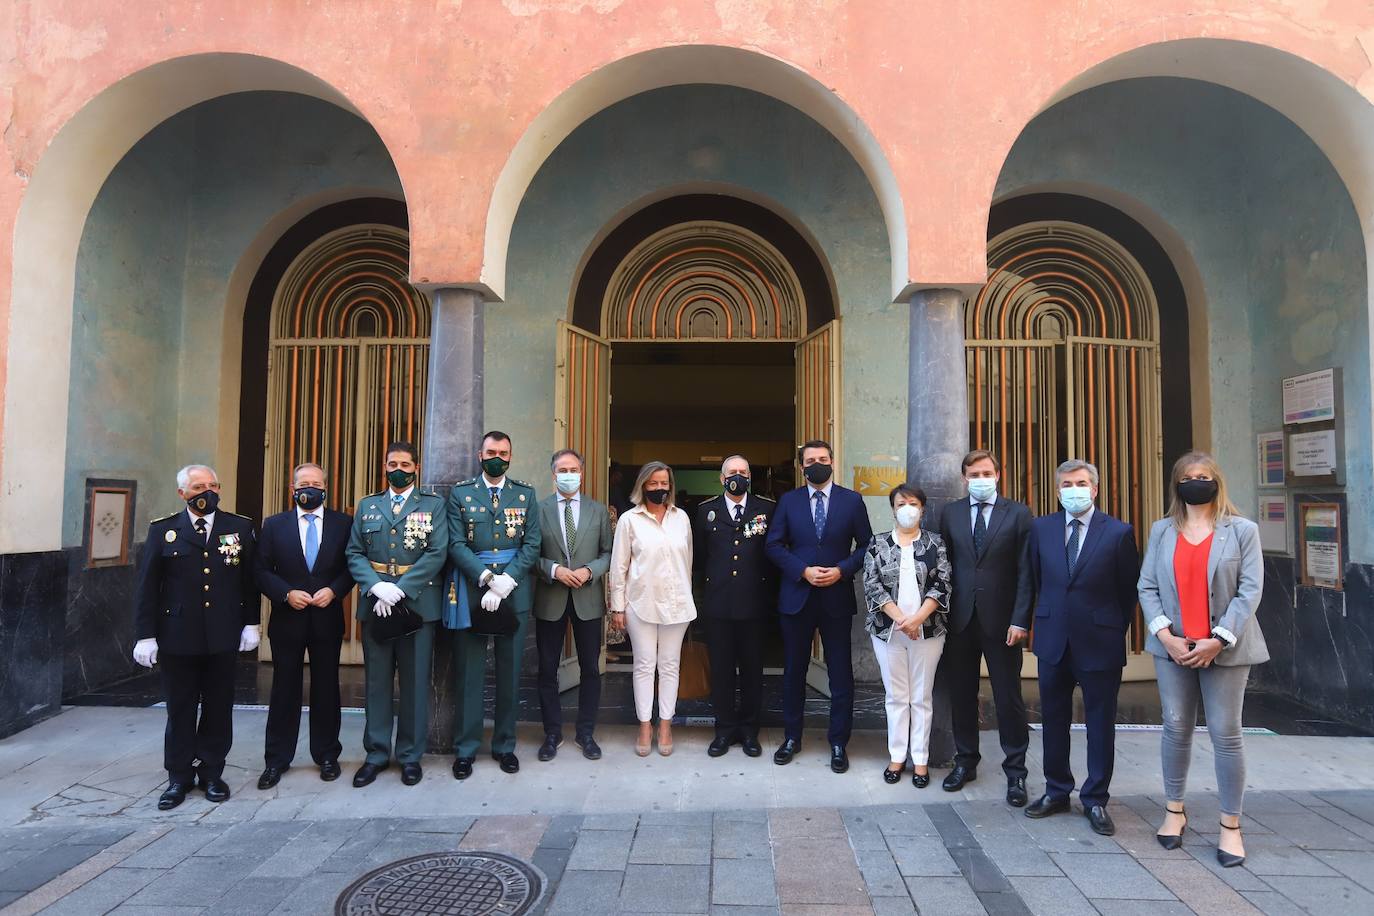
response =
{"points": [[396, 553], [494, 547]]}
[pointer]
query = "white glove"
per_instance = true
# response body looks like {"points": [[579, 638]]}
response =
{"points": [[381, 609], [388, 592], [490, 600], [145, 652], [249, 639], [503, 585]]}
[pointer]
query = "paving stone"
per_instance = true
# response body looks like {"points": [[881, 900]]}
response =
{"points": [[304, 853], [751, 815], [97, 836], [1067, 833], [349, 857], [552, 862], [907, 821], [1003, 903], [515, 835], [601, 850], [1241, 879], [817, 871], [104, 892], [979, 872], [172, 848], [34, 836], [1272, 903], [921, 855], [880, 873], [743, 882], [1019, 856], [37, 870], [1310, 830], [584, 892], [744, 911], [253, 897], [823, 909], [315, 895], [1359, 804], [451, 824], [1274, 856], [1113, 876], [862, 826], [805, 822], [254, 840], [676, 818], [944, 896], [610, 822], [562, 832], [894, 906], [8, 897], [671, 846], [1324, 895], [741, 840], [137, 910], [200, 881], [1142, 908], [1196, 886], [666, 889], [402, 845], [1357, 866], [1052, 896]]}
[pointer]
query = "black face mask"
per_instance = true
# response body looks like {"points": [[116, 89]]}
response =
{"points": [[309, 498], [736, 484], [1197, 492], [495, 468], [204, 502], [657, 497], [400, 479], [818, 474]]}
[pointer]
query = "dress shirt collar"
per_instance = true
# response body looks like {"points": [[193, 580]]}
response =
{"points": [[575, 499], [811, 496], [731, 502], [990, 501], [209, 519], [404, 494], [493, 484], [318, 512], [1085, 518]]}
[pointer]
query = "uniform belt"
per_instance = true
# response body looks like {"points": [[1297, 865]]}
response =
{"points": [[391, 569]]}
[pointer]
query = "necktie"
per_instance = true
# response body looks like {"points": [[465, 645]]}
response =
{"points": [[495, 497], [739, 513], [312, 541], [570, 527], [980, 528], [200, 528], [820, 514], [1072, 547], [397, 501]]}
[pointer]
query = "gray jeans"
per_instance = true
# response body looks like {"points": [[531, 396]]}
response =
{"points": [[1222, 692]]}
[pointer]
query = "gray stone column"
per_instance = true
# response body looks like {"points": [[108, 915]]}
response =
{"points": [[937, 434], [453, 427]]}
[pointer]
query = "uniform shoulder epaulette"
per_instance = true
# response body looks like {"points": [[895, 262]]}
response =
{"points": [[767, 500], [236, 515], [165, 517], [374, 495], [521, 483], [466, 483]]}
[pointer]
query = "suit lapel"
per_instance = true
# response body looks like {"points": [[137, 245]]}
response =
{"points": [[1089, 543], [995, 519], [1220, 537], [293, 527]]}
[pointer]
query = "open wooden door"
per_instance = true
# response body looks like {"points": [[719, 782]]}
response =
{"points": [[581, 421], [818, 417]]}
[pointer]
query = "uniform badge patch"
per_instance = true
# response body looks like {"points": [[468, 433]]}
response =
{"points": [[170, 536], [711, 516]]}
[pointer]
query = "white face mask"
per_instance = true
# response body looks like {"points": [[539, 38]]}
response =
{"points": [[567, 482], [982, 489], [908, 516], [1076, 500]]}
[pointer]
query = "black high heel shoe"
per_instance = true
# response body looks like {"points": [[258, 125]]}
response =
{"points": [[1229, 859], [920, 780], [1173, 840], [891, 776]]}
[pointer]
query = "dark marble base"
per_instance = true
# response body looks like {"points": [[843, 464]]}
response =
{"points": [[33, 593], [98, 644]]}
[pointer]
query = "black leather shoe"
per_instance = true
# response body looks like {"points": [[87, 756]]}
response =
{"points": [[462, 767], [786, 751], [270, 777], [958, 777], [1099, 818], [366, 774], [751, 746], [173, 795], [718, 747], [839, 760], [1016, 792], [330, 770], [891, 776], [1173, 840], [1044, 806], [549, 749], [1228, 859], [509, 762], [216, 789], [920, 780], [590, 749], [411, 773]]}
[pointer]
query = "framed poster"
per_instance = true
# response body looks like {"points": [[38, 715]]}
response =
{"points": [[1310, 398], [1320, 561], [109, 522], [1273, 524], [1271, 456]]}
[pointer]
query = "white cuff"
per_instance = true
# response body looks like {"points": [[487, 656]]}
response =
{"points": [[553, 572], [1159, 623], [486, 576], [1227, 637]]}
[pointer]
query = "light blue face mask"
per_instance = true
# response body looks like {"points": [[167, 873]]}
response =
{"points": [[982, 489], [567, 482], [1076, 500]]}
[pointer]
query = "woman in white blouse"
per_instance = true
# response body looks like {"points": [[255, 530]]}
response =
{"points": [[650, 591]]}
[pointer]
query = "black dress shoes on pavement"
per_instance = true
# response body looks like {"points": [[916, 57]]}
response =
{"points": [[411, 773], [751, 746], [786, 751], [1016, 792], [549, 749], [366, 774], [462, 767], [1099, 818], [718, 746], [270, 777], [509, 762], [330, 770], [216, 789], [1044, 806], [839, 760], [958, 777], [920, 780], [590, 749], [173, 795]]}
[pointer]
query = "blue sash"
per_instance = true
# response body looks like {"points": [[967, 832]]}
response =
{"points": [[457, 612]]}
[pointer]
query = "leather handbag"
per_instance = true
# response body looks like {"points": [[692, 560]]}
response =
{"points": [[500, 622], [694, 671], [401, 622]]}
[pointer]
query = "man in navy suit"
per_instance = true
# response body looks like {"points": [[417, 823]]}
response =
{"points": [[300, 566], [817, 540], [1084, 565]]}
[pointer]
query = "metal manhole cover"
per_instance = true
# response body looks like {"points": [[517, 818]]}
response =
{"points": [[445, 884]]}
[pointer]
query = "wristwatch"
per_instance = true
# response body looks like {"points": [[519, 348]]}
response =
{"points": [[1225, 636]]}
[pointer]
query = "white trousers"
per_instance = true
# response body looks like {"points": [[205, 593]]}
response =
{"points": [[656, 646], [908, 668]]}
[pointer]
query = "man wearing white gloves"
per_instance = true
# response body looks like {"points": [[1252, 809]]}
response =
{"points": [[195, 610], [396, 553]]}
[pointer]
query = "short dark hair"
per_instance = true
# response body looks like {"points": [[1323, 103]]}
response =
{"points": [[400, 445], [566, 451], [907, 489], [815, 443], [495, 434], [978, 455]]}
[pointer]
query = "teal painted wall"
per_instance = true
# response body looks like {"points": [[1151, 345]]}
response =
{"points": [[1273, 234], [164, 236], [680, 137]]}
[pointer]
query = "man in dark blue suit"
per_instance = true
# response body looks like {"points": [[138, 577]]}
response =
{"points": [[300, 566], [1084, 565], [817, 539]]}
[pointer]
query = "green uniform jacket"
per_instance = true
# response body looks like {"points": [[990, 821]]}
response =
{"points": [[513, 525], [417, 537]]}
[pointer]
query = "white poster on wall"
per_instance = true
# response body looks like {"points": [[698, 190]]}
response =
{"points": [[1273, 524], [1312, 454]]}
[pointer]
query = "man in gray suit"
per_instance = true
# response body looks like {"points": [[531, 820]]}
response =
{"points": [[574, 557]]}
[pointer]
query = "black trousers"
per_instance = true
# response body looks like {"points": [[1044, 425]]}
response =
{"points": [[736, 651], [200, 713], [959, 670], [548, 639], [797, 630], [293, 633], [1100, 689]]}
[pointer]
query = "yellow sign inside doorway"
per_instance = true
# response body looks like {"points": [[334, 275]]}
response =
{"points": [[872, 480]]}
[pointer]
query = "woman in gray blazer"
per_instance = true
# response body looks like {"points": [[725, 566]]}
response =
{"points": [[1199, 588]]}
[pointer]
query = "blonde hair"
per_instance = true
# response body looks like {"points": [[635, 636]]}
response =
{"points": [[649, 470], [1222, 507]]}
